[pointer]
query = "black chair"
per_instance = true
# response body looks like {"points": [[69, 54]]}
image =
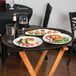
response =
{"points": [[46, 19], [72, 16], [47, 15], [7, 19], [25, 10]]}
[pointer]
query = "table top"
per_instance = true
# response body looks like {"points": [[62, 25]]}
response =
{"points": [[44, 46]]}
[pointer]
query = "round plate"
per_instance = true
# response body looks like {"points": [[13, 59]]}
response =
{"points": [[66, 36], [40, 32], [38, 40]]}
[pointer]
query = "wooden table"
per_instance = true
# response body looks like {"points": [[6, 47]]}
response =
{"points": [[45, 47]]}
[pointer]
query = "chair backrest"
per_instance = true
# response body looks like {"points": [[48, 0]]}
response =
{"points": [[26, 10], [72, 16], [47, 15]]}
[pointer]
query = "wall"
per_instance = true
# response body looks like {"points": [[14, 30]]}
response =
{"points": [[60, 14]]}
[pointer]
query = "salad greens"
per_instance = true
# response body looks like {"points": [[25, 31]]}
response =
{"points": [[62, 40]]}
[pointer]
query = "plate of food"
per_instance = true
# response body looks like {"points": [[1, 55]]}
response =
{"points": [[60, 38], [40, 32], [27, 41]]}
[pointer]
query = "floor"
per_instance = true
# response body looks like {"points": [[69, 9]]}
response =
{"points": [[14, 66]]}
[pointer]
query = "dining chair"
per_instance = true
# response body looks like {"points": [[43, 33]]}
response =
{"points": [[46, 19], [72, 17], [26, 10], [8, 20], [47, 15]]}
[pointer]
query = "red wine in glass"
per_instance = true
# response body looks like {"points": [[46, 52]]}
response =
{"points": [[23, 22]]}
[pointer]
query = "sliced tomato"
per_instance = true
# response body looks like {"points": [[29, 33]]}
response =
{"points": [[50, 31], [27, 45], [56, 31], [43, 32], [32, 44], [37, 42], [30, 31], [37, 32], [24, 44]]}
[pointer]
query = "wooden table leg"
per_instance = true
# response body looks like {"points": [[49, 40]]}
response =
{"points": [[57, 61], [28, 63], [44, 53]]}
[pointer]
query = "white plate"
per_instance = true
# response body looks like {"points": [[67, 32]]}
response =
{"points": [[60, 34], [46, 32], [15, 42]]}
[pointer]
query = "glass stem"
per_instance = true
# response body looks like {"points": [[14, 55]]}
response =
{"points": [[23, 29]]}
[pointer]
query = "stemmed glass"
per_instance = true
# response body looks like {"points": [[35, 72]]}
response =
{"points": [[11, 2], [23, 22]]}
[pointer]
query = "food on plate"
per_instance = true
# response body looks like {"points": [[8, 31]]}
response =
{"points": [[30, 31], [27, 42], [31, 40], [57, 38], [50, 31], [56, 31], [43, 32], [37, 32]]}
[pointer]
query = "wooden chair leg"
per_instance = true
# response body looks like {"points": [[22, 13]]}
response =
{"points": [[4, 53], [70, 55]]}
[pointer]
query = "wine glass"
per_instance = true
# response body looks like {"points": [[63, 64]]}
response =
{"points": [[23, 22], [11, 2]]}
